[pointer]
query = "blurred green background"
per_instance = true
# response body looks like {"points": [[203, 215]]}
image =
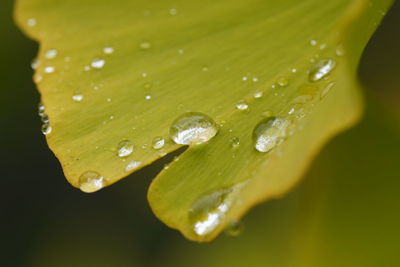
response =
{"points": [[346, 212]]}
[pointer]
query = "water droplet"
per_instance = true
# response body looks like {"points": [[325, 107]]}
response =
{"points": [[282, 82], [108, 50], [147, 97], [46, 128], [269, 133], [172, 11], [193, 128], [207, 213], [204, 68], [234, 228], [242, 105], [254, 79], [181, 51], [322, 46], [35, 63], [244, 78], [294, 70], [235, 142], [31, 22], [158, 142], [41, 109], [124, 148], [258, 94], [313, 42], [132, 165], [321, 69], [77, 97], [49, 69], [91, 181], [86, 68], [51, 54], [97, 63], [145, 45]]}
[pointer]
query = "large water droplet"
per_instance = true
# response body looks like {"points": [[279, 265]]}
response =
{"points": [[124, 148], [208, 212], [193, 128], [269, 133], [91, 181], [158, 142], [321, 69]]}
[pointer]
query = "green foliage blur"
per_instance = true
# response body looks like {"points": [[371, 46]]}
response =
{"points": [[344, 213]]}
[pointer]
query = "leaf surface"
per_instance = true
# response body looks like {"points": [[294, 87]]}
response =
{"points": [[125, 71]]}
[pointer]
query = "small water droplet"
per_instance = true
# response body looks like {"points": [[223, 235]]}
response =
{"points": [[294, 70], [132, 165], [46, 128], [158, 142], [51, 53], [322, 46], [49, 69], [193, 128], [208, 212], [41, 109], [145, 45], [91, 181], [109, 99], [258, 94], [147, 97], [108, 50], [86, 68], [282, 82], [269, 133], [242, 105], [77, 97], [172, 11], [313, 42], [124, 148], [31, 22], [234, 228], [181, 51], [235, 142], [245, 78], [204, 68], [254, 79], [321, 69], [97, 63], [35, 63]]}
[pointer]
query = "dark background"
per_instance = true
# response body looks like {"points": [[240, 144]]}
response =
{"points": [[346, 211]]}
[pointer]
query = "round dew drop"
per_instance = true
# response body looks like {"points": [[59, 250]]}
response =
{"points": [[91, 181], [125, 148], [269, 133], [51, 54], [193, 128], [234, 228], [98, 63], [46, 128]]}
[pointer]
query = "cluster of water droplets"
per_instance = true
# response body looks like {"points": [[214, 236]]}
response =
{"points": [[46, 128]]}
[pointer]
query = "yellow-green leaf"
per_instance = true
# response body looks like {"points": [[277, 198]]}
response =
{"points": [[276, 79]]}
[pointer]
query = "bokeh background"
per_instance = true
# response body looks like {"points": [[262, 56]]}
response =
{"points": [[346, 212]]}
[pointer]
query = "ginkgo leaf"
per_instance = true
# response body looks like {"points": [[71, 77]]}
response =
{"points": [[254, 88]]}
